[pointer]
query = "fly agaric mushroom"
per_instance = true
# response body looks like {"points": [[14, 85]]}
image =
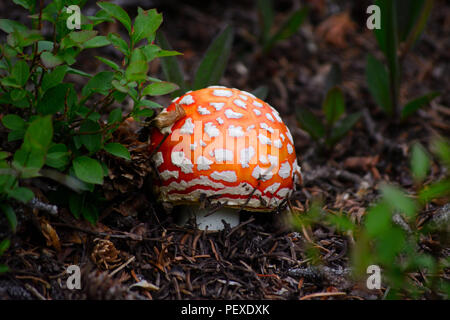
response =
{"points": [[230, 148]]}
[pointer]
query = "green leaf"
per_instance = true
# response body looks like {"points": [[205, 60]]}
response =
{"points": [[414, 18], [333, 105], [119, 43], [20, 72], [334, 77], [261, 92], [118, 150], [138, 66], [21, 194], [54, 99], [54, 77], [118, 13], [434, 191], [441, 148], [265, 14], [342, 127], [49, 60], [100, 83], [159, 88], [39, 134], [420, 162], [378, 83], [398, 200], [9, 26], [390, 245], [115, 116], [12, 220], [76, 204], [213, 64], [90, 213], [88, 170], [4, 245], [387, 35], [81, 37], [18, 94], [310, 123], [171, 67], [146, 24], [58, 160], [13, 122], [150, 104], [92, 142], [109, 63], [378, 220], [418, 103], [96, 42], [143, 113], [288, 29]]}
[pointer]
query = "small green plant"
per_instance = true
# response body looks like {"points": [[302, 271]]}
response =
{"points": [[402, 23], [269, 39], [54, 131], [4, 245], [391, 235], [335, 126], [211, 67]]}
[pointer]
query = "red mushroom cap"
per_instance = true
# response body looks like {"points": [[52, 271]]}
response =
{"points": [[230, 146]]}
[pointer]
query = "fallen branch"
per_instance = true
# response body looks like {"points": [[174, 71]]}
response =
{"points": [[335, 277]]}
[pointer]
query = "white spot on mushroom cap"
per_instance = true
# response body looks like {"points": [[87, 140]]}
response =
{"points": [[219, 120], [194, 146], [257, 104], [203, 110], [264, 139], [283, 192], [217, 105], [202, 143], [262, 174], [240, 103], [285, 170], [277, 116], [273, 160], [222, 93], [272, 188], [257, 112], [158, 159], [203, 163], [289, 135], [263, 159], [269, 116], [187, 99], [216, 87], [179, 159], [167, 174], [249, 128], [222, 155], [246, 155], [243, 97], [167, 130], [228, 176], [282, 136], [211, 130], [175, 99], [188, 127], [277, 143], [248, 94], [235, 131], [290, 149], [265, 126], [230, 114]]}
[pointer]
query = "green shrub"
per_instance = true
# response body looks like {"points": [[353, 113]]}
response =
{"points": [[56, 131], [402, 23]]}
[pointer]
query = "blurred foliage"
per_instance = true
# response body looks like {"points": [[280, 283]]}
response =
{"points": [[335, 125], [269, 39], [390, 235], [210, 69], [402, 23], [55, 132]]}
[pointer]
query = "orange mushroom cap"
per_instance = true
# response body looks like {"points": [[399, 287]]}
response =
{"points": [[230, 146]]}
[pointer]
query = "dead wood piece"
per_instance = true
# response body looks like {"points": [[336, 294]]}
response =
{"points": [[332, 276]]}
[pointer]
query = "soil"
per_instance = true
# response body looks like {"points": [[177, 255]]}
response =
{"points": [[136, 239]]}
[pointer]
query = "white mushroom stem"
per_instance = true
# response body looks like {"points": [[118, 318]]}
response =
{"points": [[207, 220]]}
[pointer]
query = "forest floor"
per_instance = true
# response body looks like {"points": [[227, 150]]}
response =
{"points": [[136, 240]]}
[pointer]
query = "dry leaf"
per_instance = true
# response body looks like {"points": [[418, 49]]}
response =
{"points": [[168, 118], [335, 29]]}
